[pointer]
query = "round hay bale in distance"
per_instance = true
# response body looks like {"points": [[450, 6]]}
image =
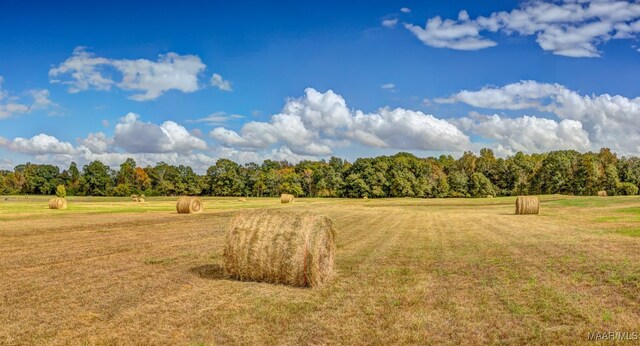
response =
{"points": [[280, 247], [242, 199], [189, 205], [58, 203], [286, 198], [602, 193], [527, 205]]}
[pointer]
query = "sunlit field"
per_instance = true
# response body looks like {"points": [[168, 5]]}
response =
{"points": [[421, 271]]}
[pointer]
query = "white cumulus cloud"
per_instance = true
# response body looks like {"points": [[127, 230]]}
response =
{"points": [[38, 145], [319, 122], [151, 78], [572, 28], [610, 121], [136, 136]]}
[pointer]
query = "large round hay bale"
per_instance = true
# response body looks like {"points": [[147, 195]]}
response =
{"points": [[281, 247], [141, 199], [527, 205], [57, 203], [286, 198], [602, 193], [242, 199], [188, 205]]}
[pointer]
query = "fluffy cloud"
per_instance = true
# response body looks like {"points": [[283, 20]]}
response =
{"points": [[318, 122], [147, 143], [571, 28], [96, 143], [220, 83], [152, 78], [12, 105], [38, 145], [405, 10], [85, 70], [461, 35], [522, 95], [136, 136], [529, 133], [170, 72], [610, 121]]}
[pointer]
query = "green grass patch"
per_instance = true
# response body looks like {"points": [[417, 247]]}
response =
{"points": [[629, 232], [160, 260]]}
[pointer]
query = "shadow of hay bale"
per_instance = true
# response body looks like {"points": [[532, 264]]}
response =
{"points": [[209, 271]]}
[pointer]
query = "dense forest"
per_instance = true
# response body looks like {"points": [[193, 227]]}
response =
{"points": [[400, 175]]}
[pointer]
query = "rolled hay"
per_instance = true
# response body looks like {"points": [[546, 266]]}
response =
{"points": [[141, 199], [242, 199], [489, 196], [365, 198], [602, 193], [189, 205], [280, 247], [527, 205], [286, 198], [134, 198], [57, 203], [142, 196]]}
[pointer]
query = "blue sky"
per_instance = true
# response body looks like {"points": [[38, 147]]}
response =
{"points": [[96, 80]]}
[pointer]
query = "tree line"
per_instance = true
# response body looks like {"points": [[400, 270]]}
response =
{"points": [[400, 175]]}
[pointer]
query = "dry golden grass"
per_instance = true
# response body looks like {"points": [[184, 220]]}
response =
{"points": [[408, 271]]}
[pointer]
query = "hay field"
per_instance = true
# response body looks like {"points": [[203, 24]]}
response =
{"points": [[409, 271]]}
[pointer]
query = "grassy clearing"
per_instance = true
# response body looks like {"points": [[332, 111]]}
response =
{"points": [[454, 271]]}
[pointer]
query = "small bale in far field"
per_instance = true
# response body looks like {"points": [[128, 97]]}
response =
{"points": [[527, 205], [58, 203], [602, 193], [286, 198], [189, 205], [242, 199], [280, 247]]}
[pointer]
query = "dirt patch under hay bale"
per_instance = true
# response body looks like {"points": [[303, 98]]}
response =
{"points": [[281, 247]]}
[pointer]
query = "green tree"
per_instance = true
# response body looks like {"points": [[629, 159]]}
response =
{"points": [[96, 179], [481, 186], [627, 189], [61, 191]]}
